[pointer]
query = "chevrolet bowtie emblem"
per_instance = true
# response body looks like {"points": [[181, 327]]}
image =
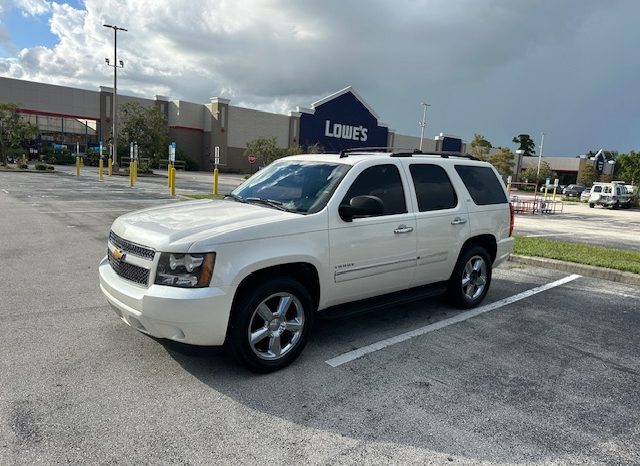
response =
{"points": [[118, 254]]}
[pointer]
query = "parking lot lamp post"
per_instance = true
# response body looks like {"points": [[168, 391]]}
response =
{"points": [[423, 123], [114, 107], [540, 154]]}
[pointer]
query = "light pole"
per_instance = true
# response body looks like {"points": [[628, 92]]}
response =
{"points": [[423, 123], [540, 154], [114, 108]]}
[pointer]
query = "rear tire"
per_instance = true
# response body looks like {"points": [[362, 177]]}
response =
{"points": [[471, 278], [592, 205], [271, 324]]}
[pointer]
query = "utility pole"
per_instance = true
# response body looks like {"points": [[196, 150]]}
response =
{"points": [[423, 123], [540, 154], [114, 107]]}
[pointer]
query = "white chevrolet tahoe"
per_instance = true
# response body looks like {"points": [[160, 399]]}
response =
{"points": [[308, 234]]}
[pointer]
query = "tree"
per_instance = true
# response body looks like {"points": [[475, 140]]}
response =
{"points": [[146, 126], [14, 131], [525, 143], [628, 168], [532, 176], [587, 176], [480, 147], [503, 161], [265, 149]]}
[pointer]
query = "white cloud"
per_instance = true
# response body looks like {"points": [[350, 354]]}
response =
{"points": [[472, 60], [32, 7]]}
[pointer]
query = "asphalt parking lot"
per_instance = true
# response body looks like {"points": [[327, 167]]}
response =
{"points": [[547, 372], [579, 223]]}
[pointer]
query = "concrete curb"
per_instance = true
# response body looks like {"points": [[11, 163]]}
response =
{"points": [[580, 269]]}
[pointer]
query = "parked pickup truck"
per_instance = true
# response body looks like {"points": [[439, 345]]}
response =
{"points": [[308, 234]]}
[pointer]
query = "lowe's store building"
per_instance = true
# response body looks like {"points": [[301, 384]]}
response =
{"points": [[69, 116]]}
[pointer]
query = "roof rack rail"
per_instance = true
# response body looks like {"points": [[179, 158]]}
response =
{"points": [[405, 152], [345, 152]]}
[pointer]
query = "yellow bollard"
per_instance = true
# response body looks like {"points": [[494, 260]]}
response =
{"points": [[169, 166], [215, 180], [109, 167], [100, 167], [131, 175], [173, 181], [555, 188], [133, 171], [77, 166]]}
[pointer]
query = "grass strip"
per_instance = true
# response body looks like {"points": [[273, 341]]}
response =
{"points": [[599, 256]]}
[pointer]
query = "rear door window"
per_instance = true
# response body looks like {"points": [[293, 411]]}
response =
{"points": [[482, 184], [434, 190]]}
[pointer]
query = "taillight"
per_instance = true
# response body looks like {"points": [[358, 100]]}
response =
{"points": [[512, 223]]}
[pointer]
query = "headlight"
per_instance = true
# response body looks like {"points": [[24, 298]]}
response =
{"points": [[185, 270]]}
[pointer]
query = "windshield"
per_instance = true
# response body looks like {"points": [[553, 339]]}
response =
{"points": [[296, 186]]}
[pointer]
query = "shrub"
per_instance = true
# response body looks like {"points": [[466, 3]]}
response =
{"points": [[144, 168], [41, 166], [60, 158], [50, 167], [92, 159], [23, 166]]}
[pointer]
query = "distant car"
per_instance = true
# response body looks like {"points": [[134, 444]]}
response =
{"points": [[612, 195], [584, 196], [574, 190]]}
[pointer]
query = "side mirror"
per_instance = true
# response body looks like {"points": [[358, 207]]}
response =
{"points": [[361, 206]]}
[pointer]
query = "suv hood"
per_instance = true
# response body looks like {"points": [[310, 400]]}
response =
{"points": [[176, 227]]}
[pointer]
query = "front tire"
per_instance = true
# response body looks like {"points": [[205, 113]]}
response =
{"points": [[271, 325], [471, 277], [592, 205]]}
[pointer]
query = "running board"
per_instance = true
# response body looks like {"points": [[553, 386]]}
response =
{"points": [[382, 302]]}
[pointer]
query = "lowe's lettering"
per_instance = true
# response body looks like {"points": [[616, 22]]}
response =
{"points": [[355, 133]]}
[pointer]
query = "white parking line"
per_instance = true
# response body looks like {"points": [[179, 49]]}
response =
{"points": [[358, 353]]}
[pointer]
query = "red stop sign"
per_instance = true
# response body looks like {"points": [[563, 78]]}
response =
{"points": [[252, 158]]}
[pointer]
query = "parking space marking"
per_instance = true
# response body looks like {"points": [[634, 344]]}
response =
{"points": [[358, 353]]}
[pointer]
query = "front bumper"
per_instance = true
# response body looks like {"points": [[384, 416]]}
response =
{"points": [[195, 316]]}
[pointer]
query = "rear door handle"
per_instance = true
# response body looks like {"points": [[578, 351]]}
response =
{"points": [[458, 221], [403, 229]]}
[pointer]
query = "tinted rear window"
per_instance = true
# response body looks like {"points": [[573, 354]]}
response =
{"points": [[482, 184], [433, 188]]}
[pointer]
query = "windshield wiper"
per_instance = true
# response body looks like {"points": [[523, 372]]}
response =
{"points": [[235, 197], [270, 202]]}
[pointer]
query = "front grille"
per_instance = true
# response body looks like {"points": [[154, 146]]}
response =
{"points": [[129, 271], [131, 248]]}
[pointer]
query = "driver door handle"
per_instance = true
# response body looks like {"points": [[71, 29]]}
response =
{"points": [[403, 229], [458, 221]]}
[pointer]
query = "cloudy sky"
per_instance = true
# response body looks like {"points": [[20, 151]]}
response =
{"points": [[568, 68]]}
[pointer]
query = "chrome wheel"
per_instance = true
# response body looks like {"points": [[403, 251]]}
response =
{"points": [[474, 277], [276, 326]]}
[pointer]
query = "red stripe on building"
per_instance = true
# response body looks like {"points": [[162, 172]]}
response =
{"points": [[187, 128], [53, 114]]}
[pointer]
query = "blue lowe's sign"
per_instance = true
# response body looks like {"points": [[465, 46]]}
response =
{"points": [[599, 162], [341, 121]]}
